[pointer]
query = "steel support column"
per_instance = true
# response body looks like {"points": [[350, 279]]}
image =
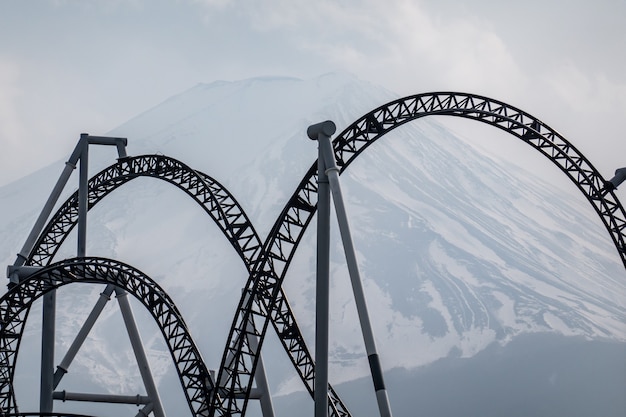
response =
{"points": [[322, 132], [62, 368], [47, 378], [263, 387], [322, 287], [140, 355], [46, 386]]}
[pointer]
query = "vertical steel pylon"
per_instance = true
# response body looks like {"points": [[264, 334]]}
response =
{"points": [[262, 391], [328, 182], [49, 377]]}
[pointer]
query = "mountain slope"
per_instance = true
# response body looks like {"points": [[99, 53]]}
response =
{"points": [[458, 250]]}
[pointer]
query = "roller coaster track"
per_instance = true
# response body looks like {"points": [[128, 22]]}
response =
{"points": [[218, 203], [240, 359], [192, 371], [263, 295]]}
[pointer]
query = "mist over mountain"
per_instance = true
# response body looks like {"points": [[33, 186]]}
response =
{"points": [[463, 255]]}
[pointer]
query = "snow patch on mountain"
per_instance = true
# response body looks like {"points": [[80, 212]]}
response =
{"points": [[458, 250]]}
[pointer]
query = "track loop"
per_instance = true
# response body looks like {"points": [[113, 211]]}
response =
{"points": [[281, 244]]}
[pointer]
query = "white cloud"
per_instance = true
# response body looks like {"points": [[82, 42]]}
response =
{"points": [[456, 53], [108, 6], [395, 43], [213, 3], [155, 49], [585, 92], [589, 111]]}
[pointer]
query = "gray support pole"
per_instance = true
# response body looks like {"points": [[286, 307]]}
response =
{"points": [[140, 355], [83, 193], [106, 140], [70, 165], [49, 300], [22, 272], [265, 398], [332, 171], [102, 398], [47, 352], [322, 289], [613, 183], [82, 334], [46, 386], [255, 394], [262, 393], [48, 376], [144, 412]]}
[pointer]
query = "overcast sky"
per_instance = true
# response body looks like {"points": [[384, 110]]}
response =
{"points": [[72, 66]]}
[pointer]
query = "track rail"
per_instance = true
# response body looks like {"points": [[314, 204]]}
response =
{"points": [[190, 367], [263, 300], [216, 201], [240, 359], [219, 204]]}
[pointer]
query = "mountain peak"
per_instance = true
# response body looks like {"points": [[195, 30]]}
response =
{"points": [[457, 250]]}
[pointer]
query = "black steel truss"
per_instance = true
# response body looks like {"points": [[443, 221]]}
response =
{"points": [[190, 367], [214, 198], [263, 300], [239, 359], [219, 204]]}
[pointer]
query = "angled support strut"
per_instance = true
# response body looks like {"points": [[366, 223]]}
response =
{"points": [[328, 177], [81, 153]]}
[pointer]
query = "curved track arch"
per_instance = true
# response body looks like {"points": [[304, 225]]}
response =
{"points": [[216, 201], [219, 204], [190, 367], [239, 359]]}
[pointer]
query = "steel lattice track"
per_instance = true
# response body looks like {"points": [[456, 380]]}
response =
{"points": [[221, 207], [190, 367], [263, 289], [216, 201], [240, 359]]}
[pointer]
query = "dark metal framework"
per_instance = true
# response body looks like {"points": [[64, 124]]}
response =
{"points": [[263, 300], [219, 204], [216, 201], [239, 360], [192, 371]]}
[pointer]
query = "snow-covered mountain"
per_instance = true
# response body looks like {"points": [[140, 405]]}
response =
{"points": [[458, 249]]}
